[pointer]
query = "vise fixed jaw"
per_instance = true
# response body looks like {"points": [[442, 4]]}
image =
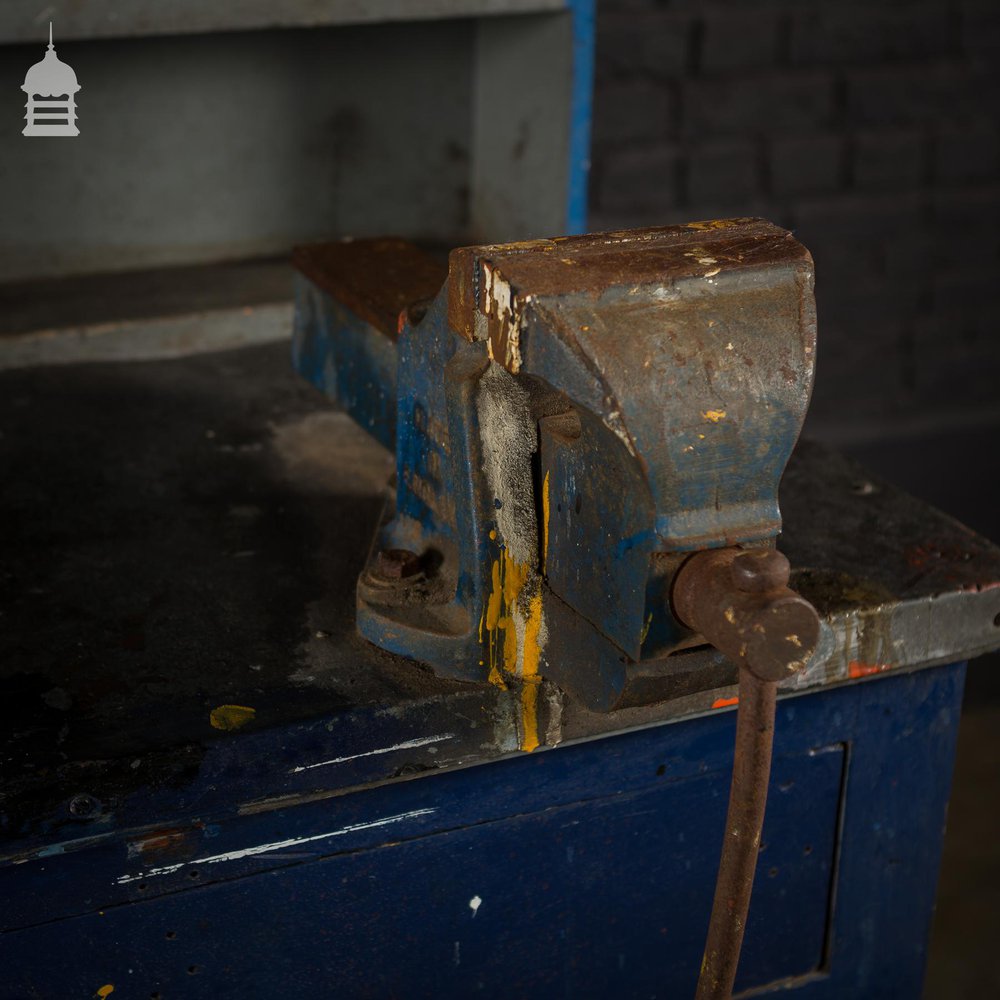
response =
{"points": [[572, 418]]}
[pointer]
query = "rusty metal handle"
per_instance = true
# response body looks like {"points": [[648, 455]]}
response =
{"points": [[740, 602]]}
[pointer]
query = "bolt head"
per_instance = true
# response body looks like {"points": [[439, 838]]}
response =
{"points": [[84, 806], [397, 564]]}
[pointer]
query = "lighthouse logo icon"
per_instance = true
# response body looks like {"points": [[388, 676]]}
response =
{"points": [[51, 87]]}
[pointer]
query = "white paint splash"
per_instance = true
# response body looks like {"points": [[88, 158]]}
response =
{"points": [[474, 905], [277, 845], [423, 741]]}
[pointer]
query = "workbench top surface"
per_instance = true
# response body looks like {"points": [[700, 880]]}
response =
{"points": [[181, 544]]}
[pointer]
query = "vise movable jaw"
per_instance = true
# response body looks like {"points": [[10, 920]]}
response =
{"points": [[573, 418]]}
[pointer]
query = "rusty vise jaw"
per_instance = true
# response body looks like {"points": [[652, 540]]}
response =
{"points": [[571, 418]]}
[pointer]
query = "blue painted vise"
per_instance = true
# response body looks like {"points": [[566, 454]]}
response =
{"points": [[571, 419]]}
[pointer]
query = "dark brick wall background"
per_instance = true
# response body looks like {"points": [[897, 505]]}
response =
{"points": [[871, 130]]}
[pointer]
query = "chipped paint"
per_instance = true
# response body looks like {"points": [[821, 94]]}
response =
{"points": [[405, 745], [504, 311], [229, 717], [553, 731], [278, 845]]}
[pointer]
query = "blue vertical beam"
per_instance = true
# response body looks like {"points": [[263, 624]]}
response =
{"points": [[581, 112]]}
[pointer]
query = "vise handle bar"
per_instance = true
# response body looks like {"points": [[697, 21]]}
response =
{"points": [[739, 600]]}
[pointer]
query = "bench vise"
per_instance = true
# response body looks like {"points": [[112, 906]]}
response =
{"points": [[572, 419]]}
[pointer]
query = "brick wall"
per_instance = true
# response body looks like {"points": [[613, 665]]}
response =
{"points": [[872, 129]]}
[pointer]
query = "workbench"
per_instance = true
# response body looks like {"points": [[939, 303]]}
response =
{"points": [[214, 787]]}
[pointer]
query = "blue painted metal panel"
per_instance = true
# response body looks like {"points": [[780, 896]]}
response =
{"points": [[347, 358], [586, 870]]}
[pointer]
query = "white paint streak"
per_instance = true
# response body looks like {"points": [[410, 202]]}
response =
{"points": [[474, 904], [613, 422], [405, 745], [277, 845]]}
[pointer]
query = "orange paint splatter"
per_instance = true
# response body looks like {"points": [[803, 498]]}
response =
{"points": [[105, 991], [725, 702], [857, 669]]}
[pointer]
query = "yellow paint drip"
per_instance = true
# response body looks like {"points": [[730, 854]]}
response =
{"points": [[645, 629], [105, 991], [714, 415], [498, 630], [507, 582], [496, 680], [496, 598], [529, 716], [230, 717]]}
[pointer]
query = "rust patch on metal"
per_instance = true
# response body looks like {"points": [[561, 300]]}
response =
{"points": [[492, 287], [376, 279], [164, 843], [740, 602], [741, 843]]}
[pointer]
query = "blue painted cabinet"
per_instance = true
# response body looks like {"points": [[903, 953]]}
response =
{"points": [[582, 871]]}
